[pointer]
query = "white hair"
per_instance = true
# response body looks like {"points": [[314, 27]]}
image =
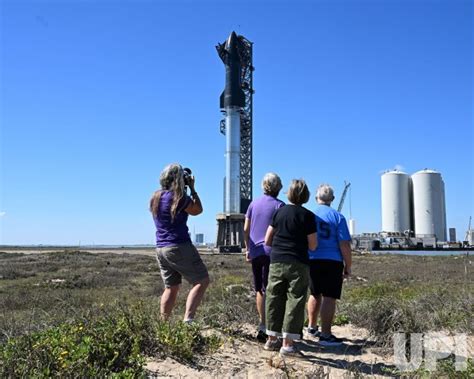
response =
{"points": [[325, 193], [271, 184], [172, 177]]}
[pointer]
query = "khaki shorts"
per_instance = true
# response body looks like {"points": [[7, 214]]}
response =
{"points": [[179, 261]]}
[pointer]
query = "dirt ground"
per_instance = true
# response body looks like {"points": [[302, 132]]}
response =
{"points": [[246, 358]]}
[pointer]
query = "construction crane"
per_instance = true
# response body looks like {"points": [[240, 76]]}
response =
{"points": [[344, 193], [468, 229]]}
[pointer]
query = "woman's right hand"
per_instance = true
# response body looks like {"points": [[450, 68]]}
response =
{"points": [[247, 256]]}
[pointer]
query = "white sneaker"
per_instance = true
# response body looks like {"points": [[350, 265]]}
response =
{"points": [[272, 345], [290, 351]]}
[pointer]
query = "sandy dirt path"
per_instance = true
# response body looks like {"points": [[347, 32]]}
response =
{"points": [[245, 358]]}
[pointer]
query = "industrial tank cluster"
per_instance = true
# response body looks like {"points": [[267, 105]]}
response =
{"points": [[414, 205]]}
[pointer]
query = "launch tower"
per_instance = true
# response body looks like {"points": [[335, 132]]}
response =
{"points": [[236, 105]]}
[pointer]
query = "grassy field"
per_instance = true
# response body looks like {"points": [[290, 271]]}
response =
{"points": [[73, 296]]}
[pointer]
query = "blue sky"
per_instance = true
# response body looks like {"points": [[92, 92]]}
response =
{"points": [[98, 96]]}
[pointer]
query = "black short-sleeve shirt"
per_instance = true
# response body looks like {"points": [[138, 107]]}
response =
{"points": [[292, 224]]}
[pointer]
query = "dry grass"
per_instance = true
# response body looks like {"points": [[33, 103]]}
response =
{"points": [[386, 293]]}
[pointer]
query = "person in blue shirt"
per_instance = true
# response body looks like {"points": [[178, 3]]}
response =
{"points": [[330, 263]]}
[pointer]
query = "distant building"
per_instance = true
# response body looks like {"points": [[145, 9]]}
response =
{"points": [[199, 238], [452, 234]]}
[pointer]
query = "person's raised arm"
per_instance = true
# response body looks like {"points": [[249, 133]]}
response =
{"points": [[195, 207], [269, 236]]}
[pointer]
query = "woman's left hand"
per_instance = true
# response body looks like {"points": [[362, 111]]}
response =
{"points": [[192, 180]]}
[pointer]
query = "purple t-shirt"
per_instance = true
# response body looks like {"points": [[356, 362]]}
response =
{"points": [[260, 213], [170, 233]]}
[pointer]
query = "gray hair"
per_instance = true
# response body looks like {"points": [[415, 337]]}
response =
{"points": [[171, 179], [271, 184], [325, 194]]}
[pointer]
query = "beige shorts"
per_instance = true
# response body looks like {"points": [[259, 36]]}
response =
{"points": [[179, 261]]}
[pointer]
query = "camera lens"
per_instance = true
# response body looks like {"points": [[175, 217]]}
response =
{"points": [[186, 175]]}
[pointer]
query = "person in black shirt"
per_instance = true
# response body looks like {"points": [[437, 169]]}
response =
{"points": [[290, 234]]}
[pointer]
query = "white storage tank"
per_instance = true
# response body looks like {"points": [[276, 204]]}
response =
{"points": [[470, 237], [429, 204], [352, 226], [396, 197]]}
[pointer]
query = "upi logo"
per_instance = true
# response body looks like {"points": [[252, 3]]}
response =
{"points": [[434, 345]]}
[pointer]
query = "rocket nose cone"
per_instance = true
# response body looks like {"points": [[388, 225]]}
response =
{"points": [[231, 41]]}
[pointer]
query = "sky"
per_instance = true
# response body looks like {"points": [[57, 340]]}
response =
{"points": [[98, 96]]}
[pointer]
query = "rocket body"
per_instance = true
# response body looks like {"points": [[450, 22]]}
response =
{"points": [[232, 100], [232, 160]]}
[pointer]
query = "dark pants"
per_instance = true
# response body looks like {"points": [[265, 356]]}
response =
{"points": [[326, 278], [260, 268]]}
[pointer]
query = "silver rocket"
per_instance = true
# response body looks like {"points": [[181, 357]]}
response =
{"points": [[232, 100]]}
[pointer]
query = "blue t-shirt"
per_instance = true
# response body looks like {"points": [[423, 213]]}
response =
{"points": [[332, 228]]}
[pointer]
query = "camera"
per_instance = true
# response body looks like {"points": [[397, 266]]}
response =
{"points": [[187, 173]]}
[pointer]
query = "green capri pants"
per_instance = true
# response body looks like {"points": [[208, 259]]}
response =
{"points": [[286, 298]]}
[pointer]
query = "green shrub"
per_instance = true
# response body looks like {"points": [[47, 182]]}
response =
{"points": [[114, 344], [108, 346], [183, 341], [386, 308], [341, 319]]}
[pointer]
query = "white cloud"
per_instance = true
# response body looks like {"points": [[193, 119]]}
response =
{"points": [[2, 214]]}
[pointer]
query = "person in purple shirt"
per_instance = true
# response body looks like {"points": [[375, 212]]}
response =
{"points": [[258, 217], [175, 253]]}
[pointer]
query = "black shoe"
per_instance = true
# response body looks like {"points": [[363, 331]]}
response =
{"points": [[311, 333], [332, 340], [261, 336]]}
